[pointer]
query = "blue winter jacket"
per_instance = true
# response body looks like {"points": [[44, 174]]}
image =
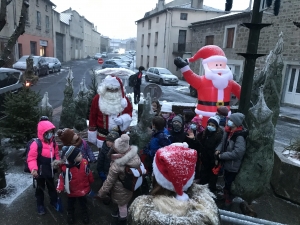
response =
{"points": [[159, 139]]}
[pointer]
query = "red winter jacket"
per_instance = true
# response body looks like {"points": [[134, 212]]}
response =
{"points": [[79, 179]]}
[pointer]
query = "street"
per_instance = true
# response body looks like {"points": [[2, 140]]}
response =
{"points": [[54, 84]]}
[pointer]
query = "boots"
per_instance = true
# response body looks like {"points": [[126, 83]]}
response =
{"points": [[227, 197], [70, 218]]}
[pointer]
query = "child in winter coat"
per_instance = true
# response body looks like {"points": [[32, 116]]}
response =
{"points": [[167, 113], [103, 157], [41, 167], [188, 115], [76, 179], [126, 155], [68, 137]]}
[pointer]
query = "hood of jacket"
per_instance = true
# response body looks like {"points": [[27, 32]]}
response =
{"points": [[43, 127], [128, 158]]}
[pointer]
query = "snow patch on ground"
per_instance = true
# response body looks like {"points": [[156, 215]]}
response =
{"points": [[292, 156], [17, 183]]}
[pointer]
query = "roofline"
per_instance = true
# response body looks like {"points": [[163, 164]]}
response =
{"points": [[51, 3], [88, 21], [170, 8], [213, 20]]}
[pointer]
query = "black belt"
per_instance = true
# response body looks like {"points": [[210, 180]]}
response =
{"points": [[220, 103]]}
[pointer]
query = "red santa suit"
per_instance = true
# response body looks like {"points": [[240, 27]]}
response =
{"points": [[104, 123], [211, 93]]}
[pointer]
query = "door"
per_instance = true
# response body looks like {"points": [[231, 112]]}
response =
{"points": [[292, 94], [181, 40], [59, 46]]}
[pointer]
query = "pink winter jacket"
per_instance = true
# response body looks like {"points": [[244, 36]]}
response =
{"points": [[47, 150]]}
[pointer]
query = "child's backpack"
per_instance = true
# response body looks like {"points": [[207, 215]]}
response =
{"points": [[132, 80], [133, 177], [40, 147]]}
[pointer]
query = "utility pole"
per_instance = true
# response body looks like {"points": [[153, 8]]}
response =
{"points": [[250, 56]]}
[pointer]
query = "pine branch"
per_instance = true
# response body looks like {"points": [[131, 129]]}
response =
{"points": [[14, 37]]}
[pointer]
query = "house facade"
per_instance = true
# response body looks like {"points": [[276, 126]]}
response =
{"points": [[164, 32], [227, 32], [96, 41], [104, 43], [38, 38]]}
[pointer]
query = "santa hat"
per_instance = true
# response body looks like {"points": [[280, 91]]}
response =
{"points": [[209, 53], [174, 168], [111, 81]]}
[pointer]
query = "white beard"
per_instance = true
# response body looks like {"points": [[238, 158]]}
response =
{"points": [[219, 81], [110, 103]]}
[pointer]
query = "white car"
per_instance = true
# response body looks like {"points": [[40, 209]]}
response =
{"points": [[161, 75], [54, 64]]}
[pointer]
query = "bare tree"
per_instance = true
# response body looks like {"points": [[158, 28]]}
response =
{"points": [[18, 31]]}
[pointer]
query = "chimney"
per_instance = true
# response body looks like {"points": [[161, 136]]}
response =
{"points": [[160, 5], [197, 4]]}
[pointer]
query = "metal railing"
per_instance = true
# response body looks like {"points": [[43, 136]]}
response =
{"points": [[182, 47]]}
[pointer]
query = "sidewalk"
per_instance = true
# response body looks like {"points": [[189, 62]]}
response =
{"points": [[289, 113]]}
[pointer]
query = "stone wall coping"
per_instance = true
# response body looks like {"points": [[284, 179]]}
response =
{"points": [[278, 150]]}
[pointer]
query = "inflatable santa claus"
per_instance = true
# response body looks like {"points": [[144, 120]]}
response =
{"points": [[215, 87], [110, 110]]}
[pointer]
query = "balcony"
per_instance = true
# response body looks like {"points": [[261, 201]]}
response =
{"points": [[180, 48]]}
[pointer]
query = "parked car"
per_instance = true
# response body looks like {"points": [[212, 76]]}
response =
{"points": [[104, 55], [161, 75], [193, 91], [54, 64], [114, 64], [97, 56], [125, 59], [40, 66], [121, 61], [10, 81]]}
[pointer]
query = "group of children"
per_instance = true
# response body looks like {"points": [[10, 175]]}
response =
{"points": [[222, 139]]}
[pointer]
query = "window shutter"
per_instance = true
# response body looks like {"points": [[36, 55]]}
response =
{"points": [[230, 37]]}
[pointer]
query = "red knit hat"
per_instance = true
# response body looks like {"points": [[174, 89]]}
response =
{"points": [[209, 53], [174, 168]]}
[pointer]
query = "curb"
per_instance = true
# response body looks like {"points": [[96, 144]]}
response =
{"points": [[289, 118]]}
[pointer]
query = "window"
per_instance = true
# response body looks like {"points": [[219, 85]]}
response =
{"points": [[37, 2], [229, 37], [157, 19], [38, 19], [20, 50], [156, 71], [209, 40], [149, 24], [46, 8], [8, 78], [142, 40], [183, 16], [155, 61], [151, 70], [47, 23], [33, 48], [142, 24], [149, 38], [142, 60], [156, 38], [148, 59]]}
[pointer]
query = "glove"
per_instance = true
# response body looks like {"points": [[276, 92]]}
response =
{"points": [[118, 121], [180, 63], [102, 176]]}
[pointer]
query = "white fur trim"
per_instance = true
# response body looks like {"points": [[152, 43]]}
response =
{"points": [[67, 184], [215, 58], [99, 143], [189, 182], [126, 121], [207, 114], [184, 69], [128, 156], [110, 81], [124, 103], [184, 144], [92, 137], [183, 197], [220, 94]]}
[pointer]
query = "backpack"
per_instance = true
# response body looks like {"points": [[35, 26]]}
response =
{"points": [[39, 150], [133, 80], [133, 177]]}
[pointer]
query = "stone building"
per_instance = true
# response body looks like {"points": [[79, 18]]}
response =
{"points": [[131, 44], [105, 43], [163, 33], [96, 41], [226, 31]]}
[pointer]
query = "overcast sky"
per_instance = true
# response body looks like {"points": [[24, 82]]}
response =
{"points": [[116, 18]]}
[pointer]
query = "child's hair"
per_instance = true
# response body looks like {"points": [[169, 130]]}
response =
{"points": [[158, 122], [188, 115], [157, 104]]}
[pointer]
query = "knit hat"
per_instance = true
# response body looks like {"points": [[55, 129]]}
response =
{"points": [[178, 119], [112, 136], [122, 144], [223, 110], [215, 120], [166, 107], [237, 118], [174, 169], [197, 119], [66, 136], [71, 152]]}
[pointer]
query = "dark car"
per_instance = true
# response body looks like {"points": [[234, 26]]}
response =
{"points": [[193, 91], [10, 81], [114, 64], [40, 66], [53, 64]]}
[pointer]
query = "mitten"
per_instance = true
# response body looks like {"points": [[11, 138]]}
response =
{"points": [[180, 62], [118, 121], [102, 176]]}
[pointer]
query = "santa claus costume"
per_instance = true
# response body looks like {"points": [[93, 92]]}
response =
{"points": [[215, 87], [110, 110]]}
